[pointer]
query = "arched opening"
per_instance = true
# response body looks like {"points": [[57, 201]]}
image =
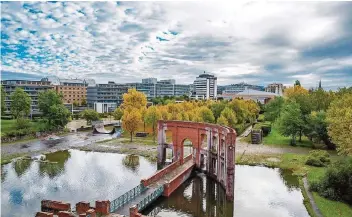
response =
{"points": [[187, 147], [204, 140], [215, 144], [222, 147]]}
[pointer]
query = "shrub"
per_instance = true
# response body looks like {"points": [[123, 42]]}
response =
{"points": [[318, 158], [265, 127], [336, 184], [22, 123]]}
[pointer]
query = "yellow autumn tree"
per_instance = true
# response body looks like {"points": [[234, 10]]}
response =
{"points": [[134, 99], [131, 120], [292, 92], [151, 117]]}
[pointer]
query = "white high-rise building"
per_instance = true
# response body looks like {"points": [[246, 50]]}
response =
{"points": [[205, 86]]}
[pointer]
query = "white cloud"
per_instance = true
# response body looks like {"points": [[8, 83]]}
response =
{"points": [[236, 41]]}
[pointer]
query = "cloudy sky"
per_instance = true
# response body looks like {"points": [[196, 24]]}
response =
{"points": [[258, 43]]}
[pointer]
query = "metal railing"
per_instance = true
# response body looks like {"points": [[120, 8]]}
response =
{"points": [[150, 198], [126, 197], [155, 211]]}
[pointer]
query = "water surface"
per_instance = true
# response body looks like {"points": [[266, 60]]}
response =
{"points": [[76, 176]]}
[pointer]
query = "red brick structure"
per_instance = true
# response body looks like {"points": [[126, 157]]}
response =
{"points": [[54, 206], [65, 214], [44, 214], [173, 184], [82, 207], [213, 148], [102, 207]]}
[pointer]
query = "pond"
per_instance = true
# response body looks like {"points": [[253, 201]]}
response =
{"points": [[77, 175], [259, 191]]}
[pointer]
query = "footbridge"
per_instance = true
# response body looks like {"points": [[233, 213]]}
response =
{"points": [[213, 149]]}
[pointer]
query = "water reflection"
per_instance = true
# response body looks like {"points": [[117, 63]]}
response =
{"points": [[259, 191], [54, 163], [266, 192], [21, 166], [131, 161], [199, 196], [76, 176]]}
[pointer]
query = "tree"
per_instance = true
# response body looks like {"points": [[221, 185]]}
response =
{"points": [[84, 102], [297, 83], [222, 121], [217, 108], [290, 121], [90, 115], [59, 115], [3, 96], [75, 104], [151, 118], [320, 99], [134, 99], [117, 113], [339, 116], [143, 112], [273, 109], [47, 99], [317, 128], [21, 103], [206, 115], [130, 121], [230, 117]]}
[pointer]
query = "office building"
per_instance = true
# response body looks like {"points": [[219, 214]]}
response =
{"points": [[31, 87], [205, 87], [240, 87], [72, 90], [109, 95], [275, 88], [149, 80], [256, 95]]}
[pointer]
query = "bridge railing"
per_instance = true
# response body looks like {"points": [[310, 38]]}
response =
{"points": [[150, 198], [126, 197]]}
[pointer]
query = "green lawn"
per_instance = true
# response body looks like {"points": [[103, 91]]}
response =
{"points": [[330, 208], [275, 139], [7, 125]]}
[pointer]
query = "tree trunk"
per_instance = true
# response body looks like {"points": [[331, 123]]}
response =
{"points": [[300, 135], [131, 136], [154, 133], [144, 126]]}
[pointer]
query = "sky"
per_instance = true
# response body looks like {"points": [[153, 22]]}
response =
{"points": [[253, 42]]}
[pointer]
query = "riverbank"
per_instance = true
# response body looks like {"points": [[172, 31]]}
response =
{"points": [[296, 163]]}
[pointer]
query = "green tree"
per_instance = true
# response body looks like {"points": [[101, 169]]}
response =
{"points": [[290, 121], [131, 120], [3, 96], [222, 121], [151, 118], [206, 115], [84, 102], [118, 113], [48, 98], [273, 108], [75, 104], [317, 128], [59, 115], [230, 117], [217, 108], [21, 103], [90, 115], [297, 83], [339, 116], [320, 100]]}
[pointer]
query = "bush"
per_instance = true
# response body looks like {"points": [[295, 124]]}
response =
{"points": [[264, 126], [22, 123], [336, 184], [318, 158]]}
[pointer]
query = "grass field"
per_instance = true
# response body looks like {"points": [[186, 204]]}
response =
{"points": [[275, 139], [7, 125]]}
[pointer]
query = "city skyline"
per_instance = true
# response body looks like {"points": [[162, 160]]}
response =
{"points": [[256, 43]]}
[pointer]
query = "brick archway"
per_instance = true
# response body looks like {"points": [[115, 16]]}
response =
{"points": [[217, 153]]}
